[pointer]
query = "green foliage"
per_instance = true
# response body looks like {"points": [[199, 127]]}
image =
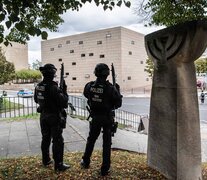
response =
{"points": [[28, 74], [36, 65], [1, 102], [149, 68], [6, 69], [34, 116], [201, 65], [171, 12], [23, 18], [7, 105]]}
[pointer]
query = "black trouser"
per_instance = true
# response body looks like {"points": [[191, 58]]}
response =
{"points": [[51, 130], [96, 125]]}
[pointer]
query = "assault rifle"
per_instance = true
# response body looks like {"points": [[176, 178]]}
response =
{"points": [[63, 114], [114, 124], [61, 76], [62, 84]]}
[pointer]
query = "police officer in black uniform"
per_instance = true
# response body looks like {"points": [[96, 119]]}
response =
{"points": [[103, 98], [52, 100]]}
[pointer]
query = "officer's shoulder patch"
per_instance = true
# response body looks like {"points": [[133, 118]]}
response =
{"points": [[40, 87]]}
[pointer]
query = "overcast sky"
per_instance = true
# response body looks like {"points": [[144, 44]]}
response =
{"points": [[91, 18]]}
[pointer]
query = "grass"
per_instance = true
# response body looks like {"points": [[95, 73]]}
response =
{"points": [[34, 116], [8, 106], [125, 165]]}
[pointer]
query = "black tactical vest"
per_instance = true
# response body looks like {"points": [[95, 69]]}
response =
{"points": [[41, 94], [98, 100]]}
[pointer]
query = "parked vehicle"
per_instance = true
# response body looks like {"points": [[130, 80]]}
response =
{"points": [[25, 93]]}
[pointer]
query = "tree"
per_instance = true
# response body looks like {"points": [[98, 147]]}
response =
{"points": [[28, 74], [7, 69], [171, 12], [149, 67], [36, 65], [22, 18], [201, 65]]}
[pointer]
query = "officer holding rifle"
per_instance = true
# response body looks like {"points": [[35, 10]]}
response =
{"points": [[102, 98], [52, 100]]}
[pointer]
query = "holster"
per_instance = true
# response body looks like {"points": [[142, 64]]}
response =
{"points": [[39, 109], [63, 118], [114, 125]]}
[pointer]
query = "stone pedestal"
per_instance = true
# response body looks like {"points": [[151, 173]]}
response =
{"points": [[174, 143]]}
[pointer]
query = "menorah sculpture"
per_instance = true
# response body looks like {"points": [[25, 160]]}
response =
{"points": [[174, 143]]}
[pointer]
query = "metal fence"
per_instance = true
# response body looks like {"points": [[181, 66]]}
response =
{"points": [[11, 107]]}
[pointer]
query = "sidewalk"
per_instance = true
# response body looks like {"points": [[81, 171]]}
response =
{"points": [[20, 138]]}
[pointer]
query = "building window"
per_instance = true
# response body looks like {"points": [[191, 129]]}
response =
{"points": [[130, 53], [74, 78], [90, 54], [108, 35], [72, 51], [67, 73], [87, 75], [129, 77], [99, 42], [73, 63], [132, 42], [60, 59], [141, 62], [59, 45], [83, 55], [80, 42], [102, 56], [52, 49], [68, 42]]}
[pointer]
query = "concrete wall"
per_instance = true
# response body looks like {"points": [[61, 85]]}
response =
{"points": [[113, 43], [133, 60], [17, 54]]}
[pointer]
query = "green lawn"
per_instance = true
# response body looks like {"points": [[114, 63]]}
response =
{"points": [[8, 106]]}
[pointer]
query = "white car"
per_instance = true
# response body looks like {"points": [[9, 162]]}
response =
{"points": [[25, 93]]}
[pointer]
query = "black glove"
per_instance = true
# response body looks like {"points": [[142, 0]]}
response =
{"points": [[64, 87], [117, 87]]}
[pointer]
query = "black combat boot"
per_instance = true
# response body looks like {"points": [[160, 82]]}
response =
{"points": [[105, 171], [61, 167], [58, 157], [84, 165], [47, 163]]}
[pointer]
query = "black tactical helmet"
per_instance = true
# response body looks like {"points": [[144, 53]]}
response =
{"points": [[101, 69], [48, 70]]}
